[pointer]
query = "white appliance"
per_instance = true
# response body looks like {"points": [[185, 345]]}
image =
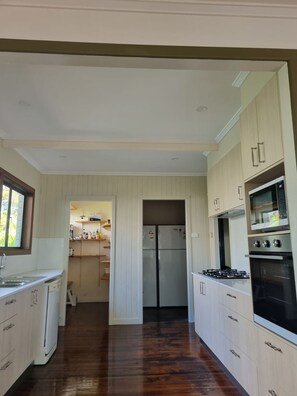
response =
{"points": [[51, 321], [164, 266]]}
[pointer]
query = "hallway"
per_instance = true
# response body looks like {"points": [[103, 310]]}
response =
{"points": [[158, 358]]}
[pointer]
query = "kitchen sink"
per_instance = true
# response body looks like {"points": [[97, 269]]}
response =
{"points": [[18, 280], [11, 284]]}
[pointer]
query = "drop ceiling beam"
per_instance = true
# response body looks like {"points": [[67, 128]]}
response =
{"points": [[95, 145]]}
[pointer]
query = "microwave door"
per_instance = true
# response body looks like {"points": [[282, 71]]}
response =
{"points": [[264, 209]]}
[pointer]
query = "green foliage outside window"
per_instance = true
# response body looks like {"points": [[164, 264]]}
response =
{"points": [[12, 207]]}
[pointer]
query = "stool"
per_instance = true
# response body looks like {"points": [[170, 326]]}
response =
{"points": [[71, 299]]}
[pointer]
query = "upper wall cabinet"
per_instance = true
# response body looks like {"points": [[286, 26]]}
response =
{"points": [[225, 183], [261, 136]]}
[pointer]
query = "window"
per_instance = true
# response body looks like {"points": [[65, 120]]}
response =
{"points": [[16, 215]]}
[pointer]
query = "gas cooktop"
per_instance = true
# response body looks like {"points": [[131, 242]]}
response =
{"points": [[226, 274]]}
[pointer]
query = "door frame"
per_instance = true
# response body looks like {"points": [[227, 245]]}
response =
{"points": [[187, 201], [95, 198]]}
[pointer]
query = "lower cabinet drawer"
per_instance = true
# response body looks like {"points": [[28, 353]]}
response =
{"points": [[238, 302], [277, 364], [269, 386], [7, 372], [8, 336], [243, 369], [240, 331]]}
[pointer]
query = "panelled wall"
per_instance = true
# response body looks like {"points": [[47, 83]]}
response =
{"points": [[128, 191]]}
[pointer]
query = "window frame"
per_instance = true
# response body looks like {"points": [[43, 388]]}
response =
{"points": [[28, 213]]}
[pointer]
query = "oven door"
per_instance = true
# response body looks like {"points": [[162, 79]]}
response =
{"points": [[274, 293]]}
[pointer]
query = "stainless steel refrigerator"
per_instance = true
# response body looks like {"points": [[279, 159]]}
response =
{"points": [[164, 266]]}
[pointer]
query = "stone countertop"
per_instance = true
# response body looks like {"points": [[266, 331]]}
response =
{"points": [[241, 285], [43, 276]]}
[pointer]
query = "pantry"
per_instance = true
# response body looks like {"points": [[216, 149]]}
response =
{"points": [[89, 250]]}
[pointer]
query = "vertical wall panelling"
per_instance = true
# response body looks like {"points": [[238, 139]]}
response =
{"points": [[128, 191]]}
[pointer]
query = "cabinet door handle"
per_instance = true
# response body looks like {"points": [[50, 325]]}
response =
{"points": [[10, 326], [234, 353], [253, 157], [273, 347], [230, 295], [203, 288], [6, 365], [239, 191], [272, 392], [234, 319], [261, 157]]}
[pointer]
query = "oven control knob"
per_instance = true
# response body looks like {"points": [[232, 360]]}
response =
{"points": [[277, 243], [257, 244], [266, 243]]}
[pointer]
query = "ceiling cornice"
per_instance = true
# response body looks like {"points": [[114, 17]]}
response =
{"points": [[264, 9], [95, 145]]}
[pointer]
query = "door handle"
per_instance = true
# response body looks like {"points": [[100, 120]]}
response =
{"points": [[253, 156]]}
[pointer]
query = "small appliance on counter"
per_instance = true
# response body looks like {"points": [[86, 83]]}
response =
{"points": [[226, 274]]}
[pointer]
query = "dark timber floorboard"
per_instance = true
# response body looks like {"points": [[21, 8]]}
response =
{"points": [[158, 358]]}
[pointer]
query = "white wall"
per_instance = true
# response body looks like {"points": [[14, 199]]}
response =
{"points": [[126, 276], [182, 23]]}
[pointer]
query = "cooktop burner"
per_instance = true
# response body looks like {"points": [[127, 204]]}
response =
{"points": [[226, 274]]}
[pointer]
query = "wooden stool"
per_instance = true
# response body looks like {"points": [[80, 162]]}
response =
{"points": [[71, 299]]}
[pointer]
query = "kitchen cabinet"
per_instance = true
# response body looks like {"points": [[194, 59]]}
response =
{"points": [[9, 331], [216, 189], [239, 346], [225, 183], [277, 365], [32, 316], [233, 179], [206, 311], [224, 321], [261, 135]]}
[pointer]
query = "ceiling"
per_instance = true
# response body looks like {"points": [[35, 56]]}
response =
{"points": [[108, 115]]}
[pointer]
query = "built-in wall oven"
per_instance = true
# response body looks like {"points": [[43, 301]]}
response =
{"points": [[273, 284]]}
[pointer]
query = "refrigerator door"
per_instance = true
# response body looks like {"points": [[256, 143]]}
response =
{"points": [[172, 237], [173, 278], [149, 278], [149, 237]]}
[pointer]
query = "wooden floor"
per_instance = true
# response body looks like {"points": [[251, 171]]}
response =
{"points": [[158, 358]]}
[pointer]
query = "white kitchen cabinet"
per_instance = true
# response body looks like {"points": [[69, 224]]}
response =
{"points": [[233, 179], [206, 311], [33, 307], [239, 337], [261, 135], [277, 365], [225, 183], [9, 335], [216, 189], [224, 321], [7, 372]]}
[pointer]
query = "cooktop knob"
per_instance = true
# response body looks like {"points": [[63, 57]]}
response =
{"points": [[266, 243], [257, 244], [277, 243]]}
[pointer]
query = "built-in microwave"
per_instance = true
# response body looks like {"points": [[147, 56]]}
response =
{"points": [[268, 207]]}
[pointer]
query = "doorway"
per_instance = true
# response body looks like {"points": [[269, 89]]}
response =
{"points": [[89, 262], [164, 260]]}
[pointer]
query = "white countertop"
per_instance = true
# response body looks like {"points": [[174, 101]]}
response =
{"points": [[241, 285], [45, 274]]}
